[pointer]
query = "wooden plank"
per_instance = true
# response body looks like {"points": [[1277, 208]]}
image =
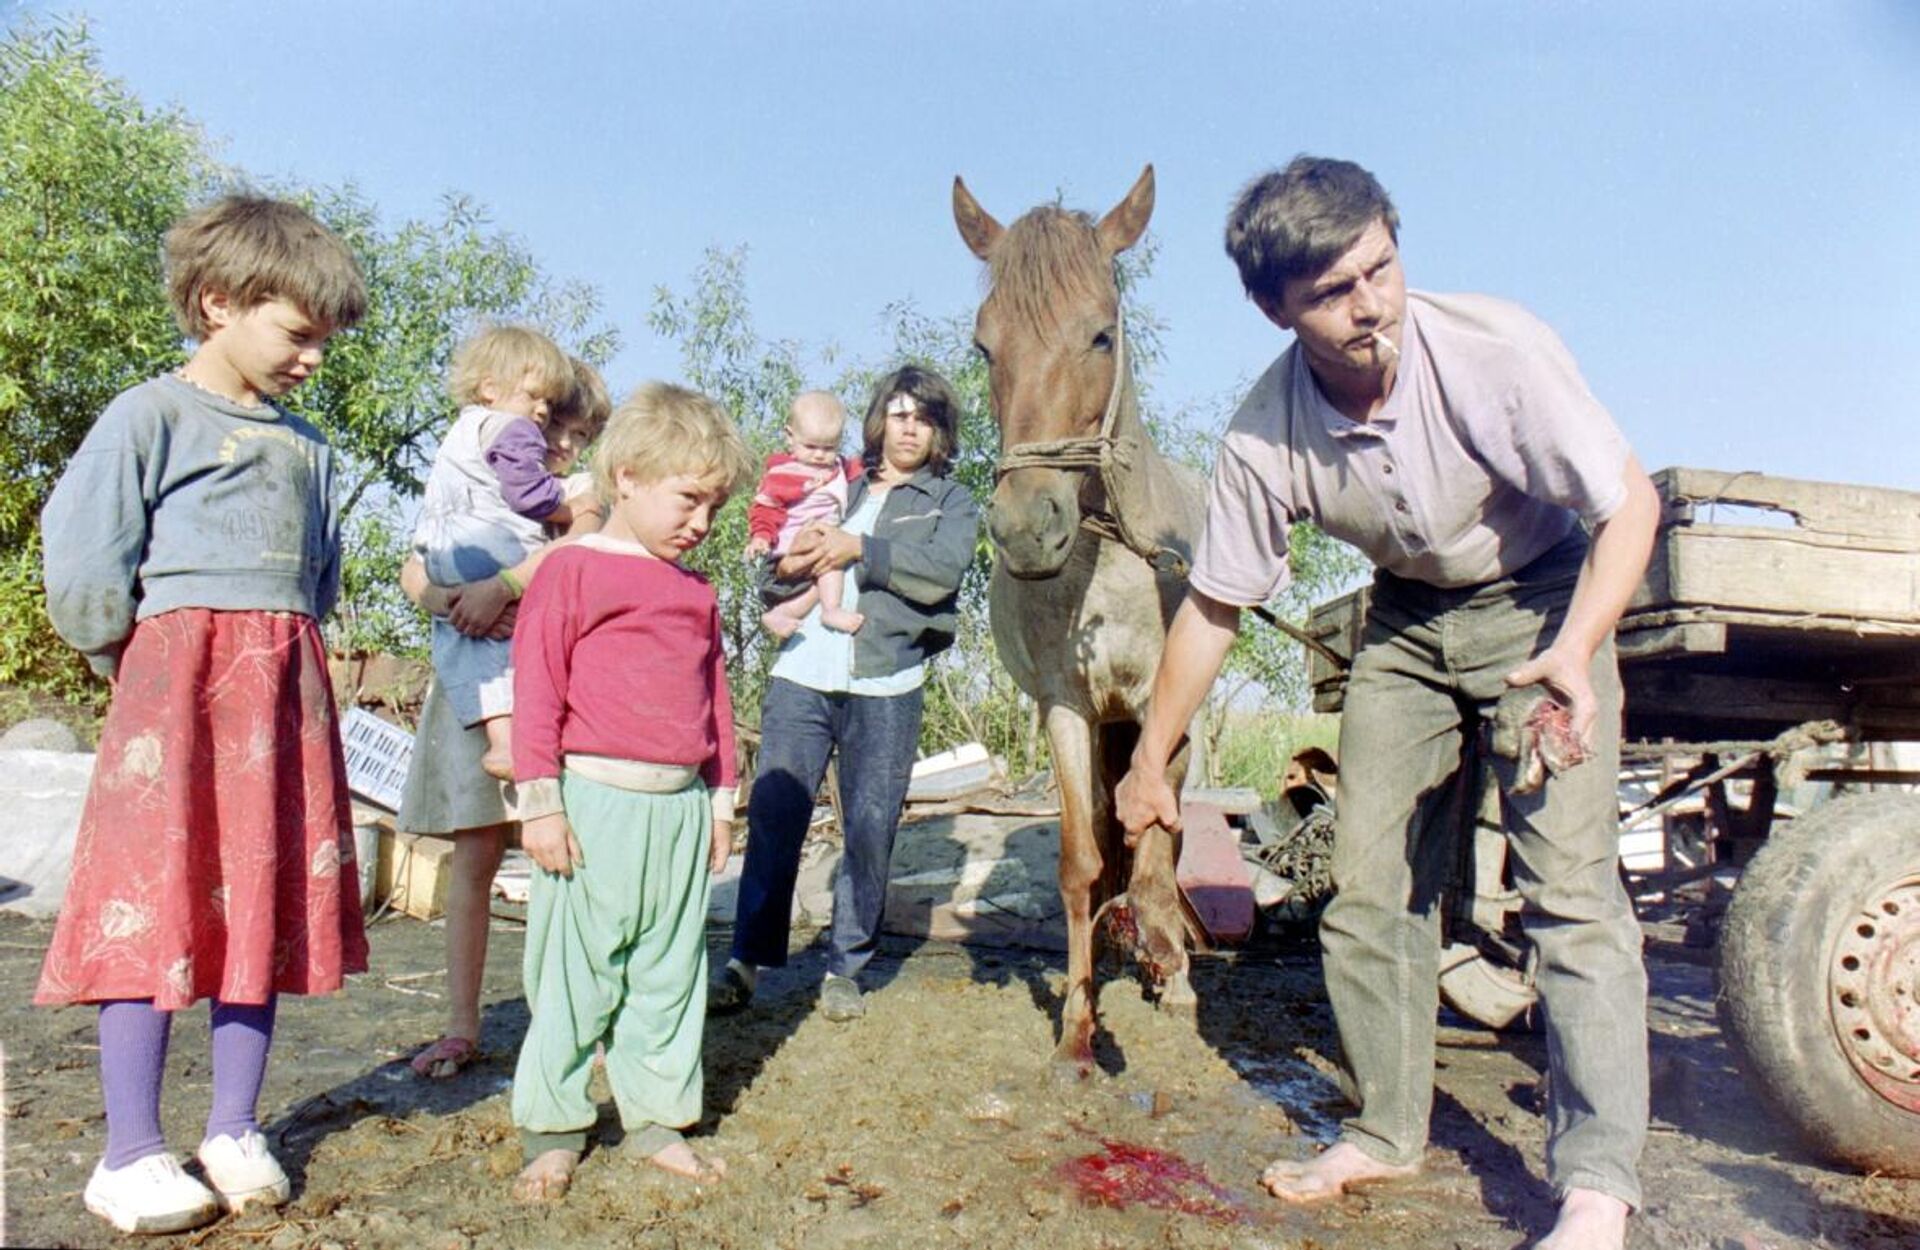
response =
{"points": [[1659, 695], [1694, 638], [1824, 507], [1784, 622], [1752, 571]]}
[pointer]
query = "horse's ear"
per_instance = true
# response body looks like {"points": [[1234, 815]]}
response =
{"points": [[1122, 228], [977, 225]]}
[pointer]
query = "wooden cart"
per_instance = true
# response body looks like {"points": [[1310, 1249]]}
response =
{"points": [[1776, 640]]}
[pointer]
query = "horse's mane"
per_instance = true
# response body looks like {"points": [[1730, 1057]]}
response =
{"points": [[1048, 260]]}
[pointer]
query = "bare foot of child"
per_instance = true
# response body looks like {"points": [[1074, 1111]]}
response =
{"points": [[681, 1160], [498, 761], [1328, 1174], [547, 1178], [779, 624], [841, 619]]}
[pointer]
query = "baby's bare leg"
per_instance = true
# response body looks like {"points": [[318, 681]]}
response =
{"points": [[832, 584], [498, 761], [782, 619]]}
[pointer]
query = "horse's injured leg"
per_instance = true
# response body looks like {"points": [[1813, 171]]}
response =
{"points": [[1155, 897]]}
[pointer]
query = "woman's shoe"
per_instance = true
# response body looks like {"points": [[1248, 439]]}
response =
{"points": [[840, 1000], [728, 992]]}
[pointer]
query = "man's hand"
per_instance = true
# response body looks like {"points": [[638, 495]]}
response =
{"points": [[1567, 676], [477, 605], [1142, 800], [550, 842], [722, 846]]}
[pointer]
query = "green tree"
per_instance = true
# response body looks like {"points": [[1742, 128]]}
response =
{"points": [[90, 179], [755, 379]]}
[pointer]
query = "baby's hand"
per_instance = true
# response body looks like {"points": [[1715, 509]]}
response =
{"points": [[722, 846], [757, 548]]}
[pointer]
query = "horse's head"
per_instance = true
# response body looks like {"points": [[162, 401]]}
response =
{"points": [[1050, 331]]}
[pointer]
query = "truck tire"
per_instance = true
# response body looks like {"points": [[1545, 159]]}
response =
{"points": [[1820, 978]]}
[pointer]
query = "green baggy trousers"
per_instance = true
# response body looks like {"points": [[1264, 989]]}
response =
{"points": [[617, 954], [1430, 669]]}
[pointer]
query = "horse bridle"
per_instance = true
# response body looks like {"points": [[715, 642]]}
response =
{"points": [[1101, 454]]}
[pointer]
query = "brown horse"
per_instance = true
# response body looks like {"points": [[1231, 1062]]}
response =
{"points": [[1093, 529]]}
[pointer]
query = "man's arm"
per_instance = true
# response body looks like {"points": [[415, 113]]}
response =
{"points": [[1202, 633], [1615, 563]]}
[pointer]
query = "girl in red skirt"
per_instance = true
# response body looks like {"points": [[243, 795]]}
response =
{"points": [[191, 549]]}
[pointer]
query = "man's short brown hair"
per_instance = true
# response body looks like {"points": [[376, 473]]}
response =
{"points": [[253, 249], [1292, 223]]}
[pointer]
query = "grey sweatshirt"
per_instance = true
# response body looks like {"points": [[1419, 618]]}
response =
{"points": [[178, 498]]}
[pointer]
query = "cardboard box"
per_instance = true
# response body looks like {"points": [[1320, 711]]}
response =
{"points": [[413, 874]]}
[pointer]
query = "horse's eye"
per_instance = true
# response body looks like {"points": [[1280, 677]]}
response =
{"points": [[1103, 341], [980, 347]]}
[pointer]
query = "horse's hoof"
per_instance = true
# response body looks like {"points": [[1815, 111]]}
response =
{"points": [[1072, 1062], [1177, 997]]}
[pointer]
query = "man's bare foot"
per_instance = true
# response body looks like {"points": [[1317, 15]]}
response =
{"points": [[547, 1178], [681, 1160], [1589, 1220], [842, 620], [779, 624], [1329, 1174]]}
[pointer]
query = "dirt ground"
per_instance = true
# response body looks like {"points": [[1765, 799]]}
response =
{"points": [[935, 1121]]}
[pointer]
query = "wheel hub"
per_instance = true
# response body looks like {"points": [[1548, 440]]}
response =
{"points": [[1873, 989]]}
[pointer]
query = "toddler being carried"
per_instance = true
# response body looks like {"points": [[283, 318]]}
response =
{"points": [[805, 485]]}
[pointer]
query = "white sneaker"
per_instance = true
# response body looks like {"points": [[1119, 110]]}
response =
{"points": [[150, 1195], [243, 1171]]}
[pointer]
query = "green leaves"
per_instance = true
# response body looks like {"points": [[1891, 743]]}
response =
{"points": [[90, 180]]}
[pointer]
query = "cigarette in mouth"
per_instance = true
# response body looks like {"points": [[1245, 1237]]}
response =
{"points": [[1383, 346]]}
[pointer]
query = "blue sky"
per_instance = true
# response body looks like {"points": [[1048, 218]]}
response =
{"points": [[1714, 203]]}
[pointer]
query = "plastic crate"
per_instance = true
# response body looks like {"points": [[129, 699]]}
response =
{"points": [[377, 755]]}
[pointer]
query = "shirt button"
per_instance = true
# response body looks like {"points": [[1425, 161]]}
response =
{"points": [[1386, 468], [1400, 505]]}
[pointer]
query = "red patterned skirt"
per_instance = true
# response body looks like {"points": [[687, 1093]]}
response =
{"points": [[215, 854]]}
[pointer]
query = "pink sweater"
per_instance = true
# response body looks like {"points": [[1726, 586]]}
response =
{"points": [[642, 637]]}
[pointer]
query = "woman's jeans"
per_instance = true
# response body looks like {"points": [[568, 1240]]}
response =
{"points": [[799, 729], [1430, 669]]}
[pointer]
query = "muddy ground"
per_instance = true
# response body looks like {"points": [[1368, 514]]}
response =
{"points": [[934, 1121]]}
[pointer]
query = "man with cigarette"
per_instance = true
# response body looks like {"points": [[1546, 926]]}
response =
{"points": [[1452, 440]]}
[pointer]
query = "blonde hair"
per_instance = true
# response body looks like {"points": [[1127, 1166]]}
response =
{"points": [[505, 355], [253, 249], [662, 430], [590, 393]]}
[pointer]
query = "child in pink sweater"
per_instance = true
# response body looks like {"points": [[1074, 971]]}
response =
{"points": [[623, 754]]}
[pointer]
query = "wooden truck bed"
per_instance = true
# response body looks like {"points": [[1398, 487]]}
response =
{"points": [[1768, 602]]}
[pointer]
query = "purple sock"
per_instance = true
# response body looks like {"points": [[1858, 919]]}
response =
{"points": [[242, 1032], [133, 1058]]}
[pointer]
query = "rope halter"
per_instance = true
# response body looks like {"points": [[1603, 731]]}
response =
{"points": [[1103, 454]]}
